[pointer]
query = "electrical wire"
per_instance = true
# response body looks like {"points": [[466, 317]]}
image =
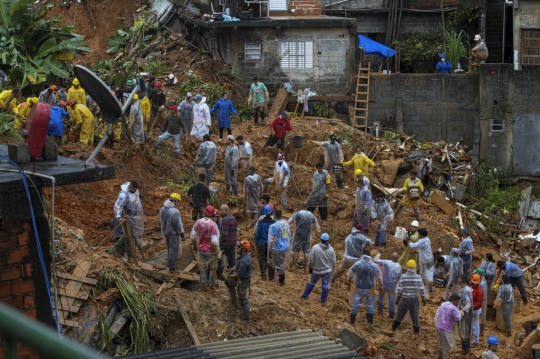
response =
{"points": [[54, 308]]}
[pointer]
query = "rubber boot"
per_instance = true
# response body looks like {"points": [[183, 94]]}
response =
{"points": [[339, 183], [282, 279], [246, 310], [416, 330], [369, 318], [234, 297], [353, 318], [395, 325]]}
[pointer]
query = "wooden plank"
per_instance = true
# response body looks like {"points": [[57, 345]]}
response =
{"points": [[161, 287], [65, 306], [185, 316], [443, 204], [146, 266], [69, 323], [190, 266], [76, 278], [79, 295], [280, 103], [81, 270], [179, 275]]}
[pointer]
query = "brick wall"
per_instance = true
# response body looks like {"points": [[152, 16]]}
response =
{"points": [[305, 7], [22, 283], [434, 107]]}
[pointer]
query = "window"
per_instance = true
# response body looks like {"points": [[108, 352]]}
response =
{"points": [[252, 51], [297, 55], [278, 5], [497, 124], [530, 47]]}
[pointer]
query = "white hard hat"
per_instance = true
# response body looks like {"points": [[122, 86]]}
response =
{"points": [[415, 224], [477, 37]]}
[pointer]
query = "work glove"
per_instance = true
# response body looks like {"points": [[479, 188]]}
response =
{"points": [[225, 276], [183, 237]]}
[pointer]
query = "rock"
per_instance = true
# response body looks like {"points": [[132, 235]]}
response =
{"points": [[344, 214]]}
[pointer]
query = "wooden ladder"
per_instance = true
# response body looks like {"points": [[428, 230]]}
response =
{"points": [[361, 103]]}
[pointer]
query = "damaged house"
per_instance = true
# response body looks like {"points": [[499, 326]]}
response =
{"points": [[296, 43]]}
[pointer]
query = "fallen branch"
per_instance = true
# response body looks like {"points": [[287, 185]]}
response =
{"points": [[185, 316], [480, 214]]}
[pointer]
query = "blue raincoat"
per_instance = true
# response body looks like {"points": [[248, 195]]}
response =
{"points": [[224, 107]]}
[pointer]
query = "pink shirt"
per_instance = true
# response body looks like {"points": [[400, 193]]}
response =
{"points": [[207, 232], [447, 314]]}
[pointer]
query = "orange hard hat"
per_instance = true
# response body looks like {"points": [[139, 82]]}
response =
{"points": [[245, 245], [62, 103], [71, 102], [476, 279]]}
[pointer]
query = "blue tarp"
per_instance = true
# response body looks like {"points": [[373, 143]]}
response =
{"points": [[373, 47]]}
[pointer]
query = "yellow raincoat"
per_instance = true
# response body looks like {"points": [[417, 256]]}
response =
{"points": [[407, 201], [360, 161], [77, 94], [146, 110], [6, 96], [24, 110], [83, 118]]}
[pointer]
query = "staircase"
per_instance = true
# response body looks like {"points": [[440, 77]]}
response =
{"points": [[361, 103], [494, 30]]}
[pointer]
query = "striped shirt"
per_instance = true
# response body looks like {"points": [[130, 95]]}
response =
{"points": [[229, 230], [410, 285]]}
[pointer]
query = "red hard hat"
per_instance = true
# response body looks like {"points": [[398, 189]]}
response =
{"points": [[71, 102], [157, 84]]}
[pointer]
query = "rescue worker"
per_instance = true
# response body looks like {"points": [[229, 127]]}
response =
{"points": [[478, 54], [261, 242], [206, 158], [466, 249], [282, 174], [231, 166], [173, 125], [366, 272], [455, 269], [515, 275], [413, 188], [321, 264], [443, 67], [228, 235], [483, 284], [493, 344], [446, 318], [504, 303], [279, 237], [123, 94], [205, 243], [412, 237], [362, 205], [146, 109], [8, 101], [246, 152], [478, 300], [56, 123], [318, 197], [410, 285], [333, 158], [423, 247], [171, 229], [358, 173], [136, 122], [489, 266], [157, 103], [150, 86], [128, 202], [360, 162], [391, 275], [200, 195], [47, 96], [186, 111], [82, 119], [76, 92], [465, 307], [279, 128], [304, 222], [61, 95], [224, 107], [201, 118], [23, 112], [355, 243], [252, 191], [241, 279], [258, 94], [382, 212]]}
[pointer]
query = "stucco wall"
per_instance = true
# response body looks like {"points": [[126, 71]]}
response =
{"points": [[526, 16]]}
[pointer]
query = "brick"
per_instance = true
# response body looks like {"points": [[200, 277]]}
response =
{"points": [[5, 290], [9, 242], [18, 255], [26, 270], [23, 239], [24, 351], [14, 302], [22, 287], [32, 313], [29, 302], [10, 272]]}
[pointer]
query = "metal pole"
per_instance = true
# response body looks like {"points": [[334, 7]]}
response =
{"points": [[40, 337], [504, 31]]}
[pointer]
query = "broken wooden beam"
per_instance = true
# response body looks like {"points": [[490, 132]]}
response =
{"points": [[185, 316], [442, 203], [76, 278]]}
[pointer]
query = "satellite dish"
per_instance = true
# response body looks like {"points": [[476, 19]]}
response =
{"points": [[101, 93]]}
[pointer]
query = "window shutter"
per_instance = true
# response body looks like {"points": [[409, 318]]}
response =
{"points": [[278, 5], [309, 54], [284, 55]]}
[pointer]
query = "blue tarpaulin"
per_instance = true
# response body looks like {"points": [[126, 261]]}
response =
{"points": [[373, 47]]}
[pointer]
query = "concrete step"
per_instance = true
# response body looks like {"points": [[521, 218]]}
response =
{"points": [[270, 337]]}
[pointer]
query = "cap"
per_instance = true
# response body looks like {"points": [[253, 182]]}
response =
{"points": [[206, 136], [481, 271], [188, 95], [454, 297], [284, 114], [325, 237], [135, 97], [411, 263], [466, 231], [198, 97], [477, 37], [230, 137], [333, 137], [76, 81], [129, 83], [280, 156], [267, 209], [173, 108], [252, 169], [53, 88], [492, 340], [209, 210], [358, 172], [415, 223], [176, 196], [157, 84], [360, 227], [476, 279]]}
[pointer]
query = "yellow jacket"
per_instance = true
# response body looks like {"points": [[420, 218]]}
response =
{"points": [[408, 184], [80, 114], [24, 110], [77, 94], [146, 110], [12, 105], [360, 161]]}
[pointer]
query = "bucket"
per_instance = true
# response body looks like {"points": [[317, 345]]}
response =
{"points": [[536, 351], [400, 233], [492, 295], [440, 282], [297, 141]]}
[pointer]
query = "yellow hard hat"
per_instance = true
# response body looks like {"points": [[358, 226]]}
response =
{"points": [[76, 81], [358, 172], [135, 97], [411, 263], [175, 196]]}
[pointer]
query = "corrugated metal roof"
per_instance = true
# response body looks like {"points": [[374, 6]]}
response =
{"points": [[291, 345]]}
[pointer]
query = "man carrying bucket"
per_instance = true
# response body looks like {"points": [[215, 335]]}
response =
{"points": [[333, 158], [413, 189]]}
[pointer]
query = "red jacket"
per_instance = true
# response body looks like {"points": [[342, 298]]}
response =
{"points": [[477, 297], [281, 127]]}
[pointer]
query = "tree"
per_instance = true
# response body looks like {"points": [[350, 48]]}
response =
{"points": [[31, 47]]}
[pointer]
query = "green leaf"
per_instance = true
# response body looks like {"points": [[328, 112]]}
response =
{"points": [[387, 345], [57, 68]]}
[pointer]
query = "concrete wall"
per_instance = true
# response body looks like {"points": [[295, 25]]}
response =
{"points": [[333, 51], [433, 107], [526, 16]]}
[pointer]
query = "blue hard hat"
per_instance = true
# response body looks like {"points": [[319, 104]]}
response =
{"points": [[325, 237], [493, 340], [267, 209]]}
